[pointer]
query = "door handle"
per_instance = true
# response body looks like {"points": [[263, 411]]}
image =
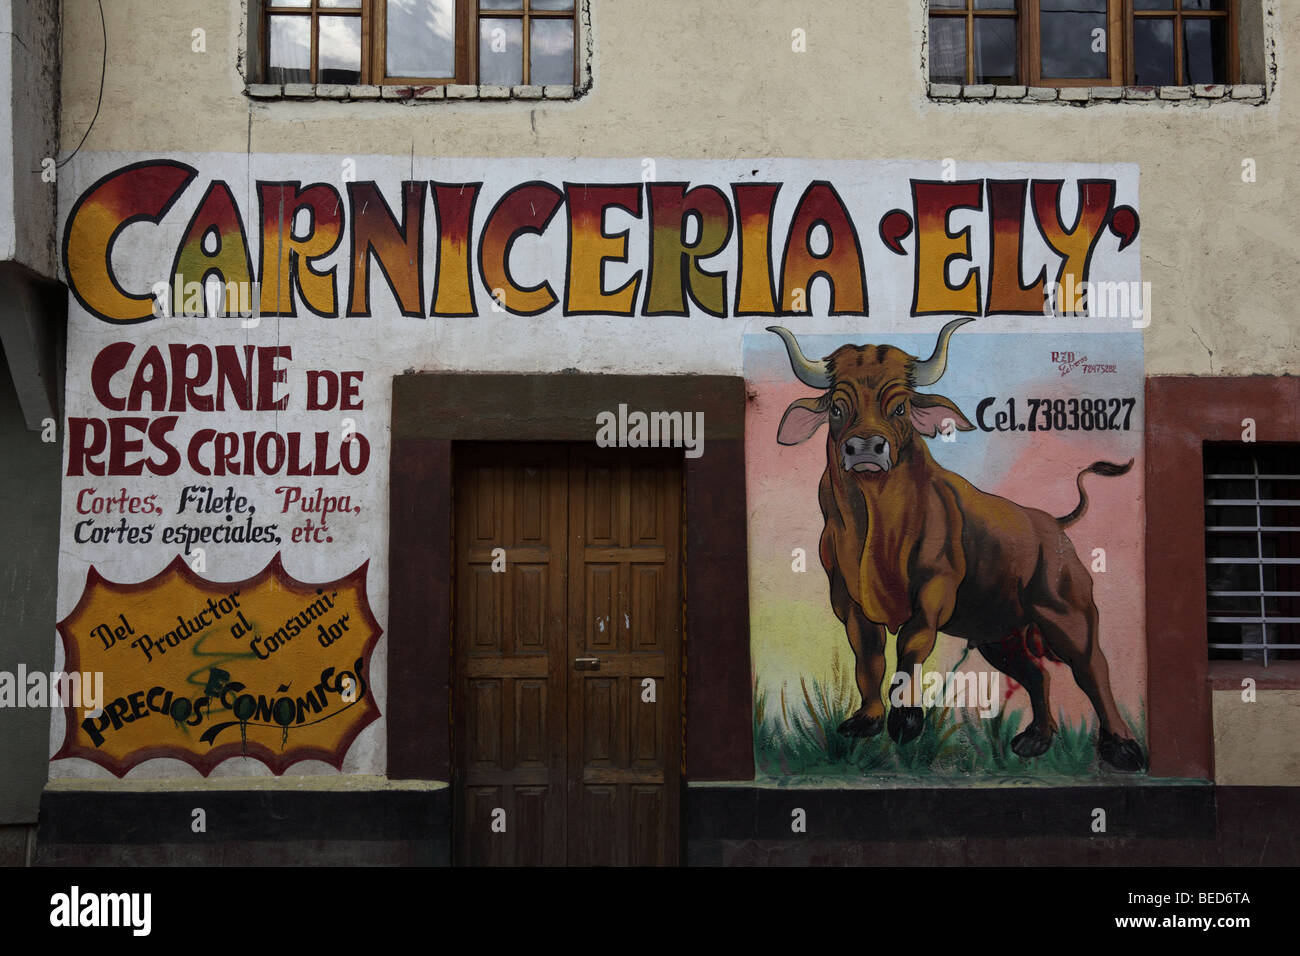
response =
{"points": [[586, 663]]}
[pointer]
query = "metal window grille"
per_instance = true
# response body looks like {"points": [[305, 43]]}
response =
{"points": [[1252, 552]]}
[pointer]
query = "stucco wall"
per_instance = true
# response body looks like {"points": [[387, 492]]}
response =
{"points": [[679, 79], [29, 70]]}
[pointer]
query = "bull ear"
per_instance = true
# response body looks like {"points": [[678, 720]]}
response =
{"points": [[802, 418], [929, 411]]}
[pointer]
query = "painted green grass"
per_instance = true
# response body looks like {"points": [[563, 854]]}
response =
{"points": [[796, 734]]}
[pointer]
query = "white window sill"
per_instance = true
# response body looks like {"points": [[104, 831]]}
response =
{"points": [[407, 94], [1250, 94]]}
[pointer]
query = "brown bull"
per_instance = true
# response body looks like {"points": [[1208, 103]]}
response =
{"points": [[915, 549]]}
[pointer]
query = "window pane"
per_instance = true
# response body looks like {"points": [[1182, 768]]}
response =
{"points": [[1282, 606], [1236, 516], [1249, 606], [1233, 606], [1221, 462], [995, 4], [1278, 459], [1205, 50], [1282, 544], [339, 60], [290, 3], [1236, 544], [1205, 4], [353, 4], [1281, 488], [421, 39], [1067, 39], [500, 52], [995, 50], [551, 58], [1232, 577], [1153, 52], [500, 5], [1154, 4], [1283, 516], [551, 5], [948, 4], [1229, 488], [947, 50], [289, 60]]}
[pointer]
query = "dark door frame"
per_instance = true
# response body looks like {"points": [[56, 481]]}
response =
{"points": [[431, 410]]}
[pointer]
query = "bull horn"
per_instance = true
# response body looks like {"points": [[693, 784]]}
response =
{"points": [[932, 369], [811, 373]]}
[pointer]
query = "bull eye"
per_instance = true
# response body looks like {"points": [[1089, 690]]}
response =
{"points": [[898, 410], [836, 413]]}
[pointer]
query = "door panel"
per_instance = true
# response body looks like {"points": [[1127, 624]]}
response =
{"points": [[624, 575], [510, 647], [554, 723]]}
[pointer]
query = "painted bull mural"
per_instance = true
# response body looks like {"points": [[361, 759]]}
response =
{"points": [[915, 549]]}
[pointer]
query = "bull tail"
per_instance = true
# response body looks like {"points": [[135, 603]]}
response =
{"points": [[1103, 468]]}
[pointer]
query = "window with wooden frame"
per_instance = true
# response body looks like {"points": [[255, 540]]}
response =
{"points": [[1084, 42], [420, 42], [1182, 42]]}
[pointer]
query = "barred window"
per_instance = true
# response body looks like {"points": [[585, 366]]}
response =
{"points": [[1252, 551]]}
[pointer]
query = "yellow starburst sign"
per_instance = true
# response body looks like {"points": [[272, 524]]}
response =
{"points": [[269, 668]]}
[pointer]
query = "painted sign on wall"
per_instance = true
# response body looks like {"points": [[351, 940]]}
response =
{"points": [[236, 322], [946, 531], [268, 666], [948, 577]]}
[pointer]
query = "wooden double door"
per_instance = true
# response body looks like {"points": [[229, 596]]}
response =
{"points": [[567, 722]]}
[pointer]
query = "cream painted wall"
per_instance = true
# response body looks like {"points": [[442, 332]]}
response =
{"points": [[1255, 743], [679, 78]]}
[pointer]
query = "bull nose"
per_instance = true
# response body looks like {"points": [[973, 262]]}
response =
{"points": [[866, 454], [855, 447]]}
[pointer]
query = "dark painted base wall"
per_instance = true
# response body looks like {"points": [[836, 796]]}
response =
{"points": [[1193, 825], [245, 828]]}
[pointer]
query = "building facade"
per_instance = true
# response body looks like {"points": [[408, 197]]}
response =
{"points": [[584, 432]]}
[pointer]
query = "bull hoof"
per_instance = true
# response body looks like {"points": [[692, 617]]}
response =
{"points": [[1120, 753], [1032, 742], [905, 723], [860, 725]]}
